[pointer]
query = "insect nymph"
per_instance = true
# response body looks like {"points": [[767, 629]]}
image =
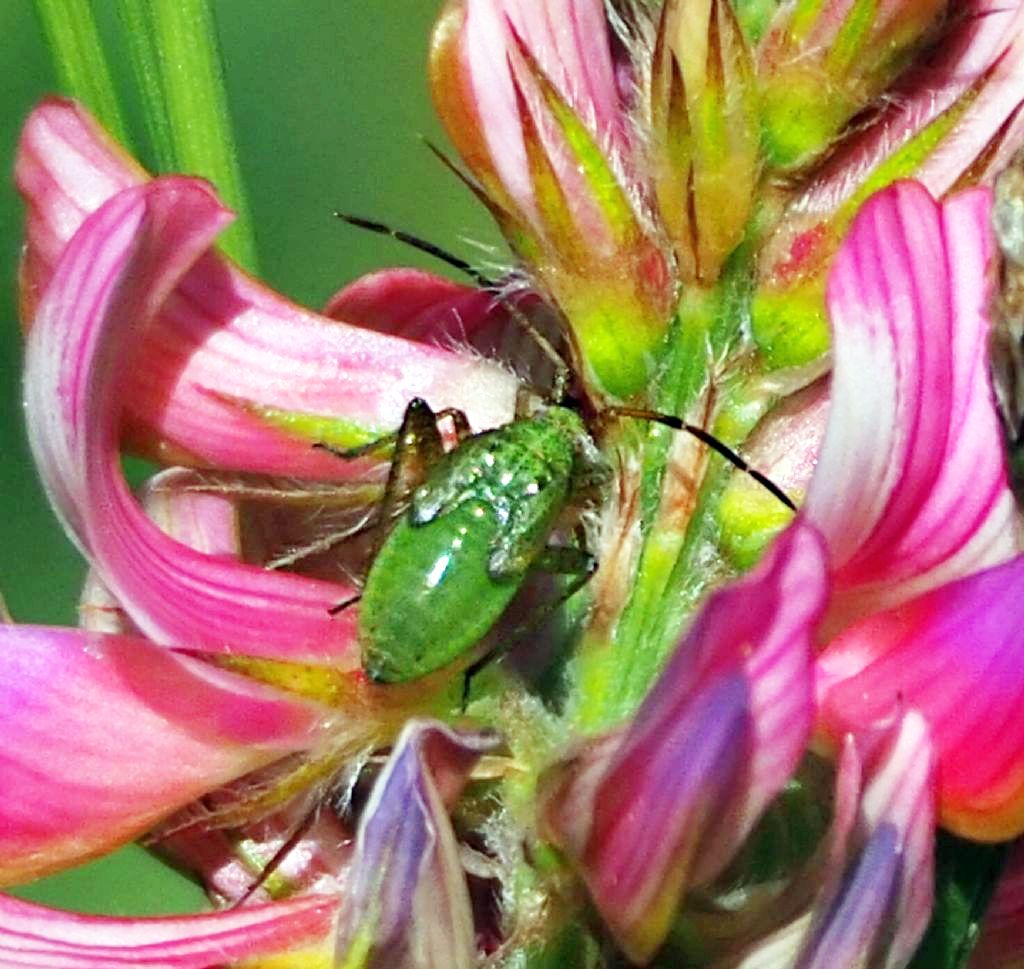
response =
{"points": [[478, 522], [465, 527]]}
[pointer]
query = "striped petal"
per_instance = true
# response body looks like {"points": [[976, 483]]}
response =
{"points": [[408, 906], [105, 735], [420, 306], [640, 811], [570, 43], [34, 937], [910, 489], [110, 280], [233, 375], [875, 897], [954, 655]]}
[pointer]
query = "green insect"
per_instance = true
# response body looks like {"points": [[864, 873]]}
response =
{"points": [[461, 530], [470, 524], [478, 519]]}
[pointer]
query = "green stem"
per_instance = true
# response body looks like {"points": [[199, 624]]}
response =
{"points": [[79, 59], [176, 57], [678, 559]]}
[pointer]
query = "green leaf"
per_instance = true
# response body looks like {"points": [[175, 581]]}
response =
{"points": [[176, 58], [82, 69], [965, 878]]}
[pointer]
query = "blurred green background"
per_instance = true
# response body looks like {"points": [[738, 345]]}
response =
{"points": [[329, 98]]}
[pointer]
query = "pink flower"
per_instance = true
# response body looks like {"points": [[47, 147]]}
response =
{"points": [[879, 628]]}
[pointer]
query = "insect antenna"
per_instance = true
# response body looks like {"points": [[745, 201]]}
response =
{"points": [[560, 383], [711, 441], [421, 244]]}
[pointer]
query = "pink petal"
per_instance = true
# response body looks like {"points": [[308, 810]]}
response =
{"points": [[408, 897], [105, 735], [910, 488], [569, 40], [954, 655], [35, 937], [233, 375], [109, 281], [663, 804], [430, 309]]}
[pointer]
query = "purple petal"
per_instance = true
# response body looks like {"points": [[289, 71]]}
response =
{"points": [[663, 804], [408, 903]]}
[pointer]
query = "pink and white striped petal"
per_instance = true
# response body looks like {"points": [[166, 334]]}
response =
{"points": [[108, 283], [408, 906], [569, 42], [875, 897], [231, 374], [910, 489], [34, 937], [105, 735], [420, 306], [664, 803], [954, 655]]}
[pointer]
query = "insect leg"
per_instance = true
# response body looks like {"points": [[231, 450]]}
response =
{"points": [[556, 560]]}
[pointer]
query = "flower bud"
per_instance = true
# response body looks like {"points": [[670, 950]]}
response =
{"points": [[821, 63], [535, 112], [705, 133]]}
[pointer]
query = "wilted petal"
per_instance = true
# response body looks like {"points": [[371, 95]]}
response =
{"points": [[528, 93], [705, 133], [475, 79], [663, 804], [34, 937], [954, 655], [955, 120], [407, 906], [109, 281], [819, 65], [105, 735], [231, 374], [910, 488]]}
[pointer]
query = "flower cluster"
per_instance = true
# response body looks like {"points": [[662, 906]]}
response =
{"points": [[698, 222]]}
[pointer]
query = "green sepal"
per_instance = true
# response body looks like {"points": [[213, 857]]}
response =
{"points": [[750, 519], [790, 327]]}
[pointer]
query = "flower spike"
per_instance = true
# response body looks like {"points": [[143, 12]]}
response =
{"points": [[529, 95]]}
